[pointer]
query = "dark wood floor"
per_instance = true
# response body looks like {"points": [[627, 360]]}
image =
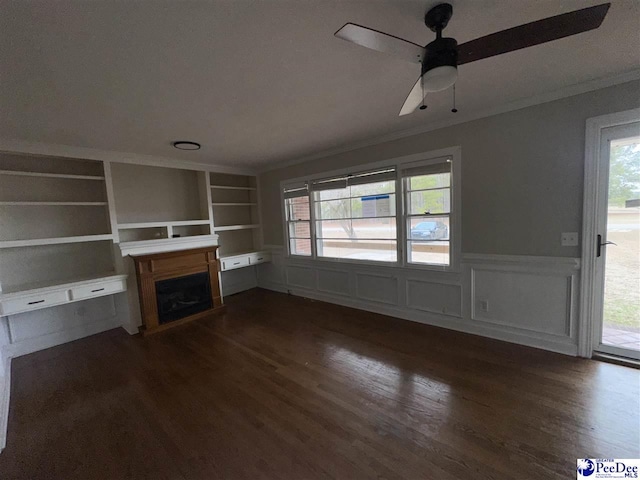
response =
{"points": [[282, 387]]}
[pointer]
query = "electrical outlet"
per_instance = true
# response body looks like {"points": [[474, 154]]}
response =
{"points": [[569, 239], [484, 305]]}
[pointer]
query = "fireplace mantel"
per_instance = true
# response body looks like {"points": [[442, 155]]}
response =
{"points": [[159, 267]]}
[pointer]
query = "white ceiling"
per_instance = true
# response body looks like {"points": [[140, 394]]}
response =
{"points": [[259, 82]]}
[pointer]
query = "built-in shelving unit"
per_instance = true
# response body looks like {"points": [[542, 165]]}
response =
{"points": [[236, 218], [60, 219], [54, 229], [157, 203]]}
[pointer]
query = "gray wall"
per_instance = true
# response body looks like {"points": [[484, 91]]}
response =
{"points": [[522, 173]]}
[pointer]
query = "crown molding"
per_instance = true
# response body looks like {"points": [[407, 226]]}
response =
{"points": [[568, 91], [69, 151]]}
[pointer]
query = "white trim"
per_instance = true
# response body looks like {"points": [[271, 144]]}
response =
{"points": [[53, 204], [481, 258], [25, 347], [55, 241], [68, 176], [455, 153], [229, 187], [144, 247], [5, 395], [558, 336], [459, 118], [437, 320], [591, 198], [178, 223], [227, 228], [69, 151]]}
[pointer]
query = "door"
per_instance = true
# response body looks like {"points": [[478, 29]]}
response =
{"points": [[617, 243]]}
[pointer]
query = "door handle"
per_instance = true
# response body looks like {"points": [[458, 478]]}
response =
{"points": [[601, 244]]}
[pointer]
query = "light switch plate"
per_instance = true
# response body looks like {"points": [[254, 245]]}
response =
{"points": [[569, 239]]}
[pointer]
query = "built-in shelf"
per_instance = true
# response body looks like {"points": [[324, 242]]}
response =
{"points": [[230, 187], [55, 204], [235, 227], [139, 247], [180, 223], [51, 175], [54, 241], [237, 204], [237, 254]]}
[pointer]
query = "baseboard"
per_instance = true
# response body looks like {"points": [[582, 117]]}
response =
{"points": [[427, 318], [5, 392]]}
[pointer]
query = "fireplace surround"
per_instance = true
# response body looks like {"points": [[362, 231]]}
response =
{"points": [[177, 287]]}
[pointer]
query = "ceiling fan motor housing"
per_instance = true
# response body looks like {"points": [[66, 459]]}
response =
{"points": [[440, 53]]}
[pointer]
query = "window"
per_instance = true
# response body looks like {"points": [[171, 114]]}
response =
{"points": [[405, 212], [296, 198], [427, 190], [355, 216]]}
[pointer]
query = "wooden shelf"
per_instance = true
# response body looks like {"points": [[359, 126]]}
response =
{"points": [[180, 223], [238, 204], [229, 187], [51, 175], [235, 227], [54, 241], [57, 204]]}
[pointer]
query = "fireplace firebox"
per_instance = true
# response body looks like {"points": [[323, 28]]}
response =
{"points": [[183, 296]]}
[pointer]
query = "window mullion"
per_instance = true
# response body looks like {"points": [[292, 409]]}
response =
{"points": [[312, 226]]}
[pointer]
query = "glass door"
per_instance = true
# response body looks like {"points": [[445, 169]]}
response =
{"points": [[618, 242]]}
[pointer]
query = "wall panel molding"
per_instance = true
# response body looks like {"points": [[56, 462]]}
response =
{"points": [[543, 314]]}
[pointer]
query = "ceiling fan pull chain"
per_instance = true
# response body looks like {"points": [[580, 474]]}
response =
{"points": [[454, 109], [423, 106]]}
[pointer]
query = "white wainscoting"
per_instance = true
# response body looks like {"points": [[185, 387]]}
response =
{"points": [[531, 300], [40, 329], [238, 280]]}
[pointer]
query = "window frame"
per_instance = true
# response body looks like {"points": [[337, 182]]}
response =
{"points": [[399, 163], [287, 222], [453, 215]]}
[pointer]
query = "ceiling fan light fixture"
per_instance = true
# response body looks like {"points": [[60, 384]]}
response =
{"points": [[186, 145], [439, 78]]}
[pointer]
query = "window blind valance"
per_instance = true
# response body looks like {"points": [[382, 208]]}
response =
{"points": [[363, 178], [441, 166], [294, 190]]}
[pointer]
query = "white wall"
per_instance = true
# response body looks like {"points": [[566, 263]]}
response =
{"points": [[522, 178], [522, 173]]}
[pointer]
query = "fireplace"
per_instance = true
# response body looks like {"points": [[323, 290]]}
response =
{"points": [[177, 287], [183, 296]]}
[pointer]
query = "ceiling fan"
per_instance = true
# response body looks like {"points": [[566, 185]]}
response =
{"points": [[440, 58]]}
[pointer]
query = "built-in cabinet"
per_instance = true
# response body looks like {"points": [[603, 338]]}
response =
{"points": [[236, 220], [61, 218], [55, 233]]}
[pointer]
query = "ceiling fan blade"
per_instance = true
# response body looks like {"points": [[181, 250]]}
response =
{"points": [[534, 33], [382, 42], [414, 99]]}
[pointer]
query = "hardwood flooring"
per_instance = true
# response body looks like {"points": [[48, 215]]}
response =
{"points": [[288, 388]]}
